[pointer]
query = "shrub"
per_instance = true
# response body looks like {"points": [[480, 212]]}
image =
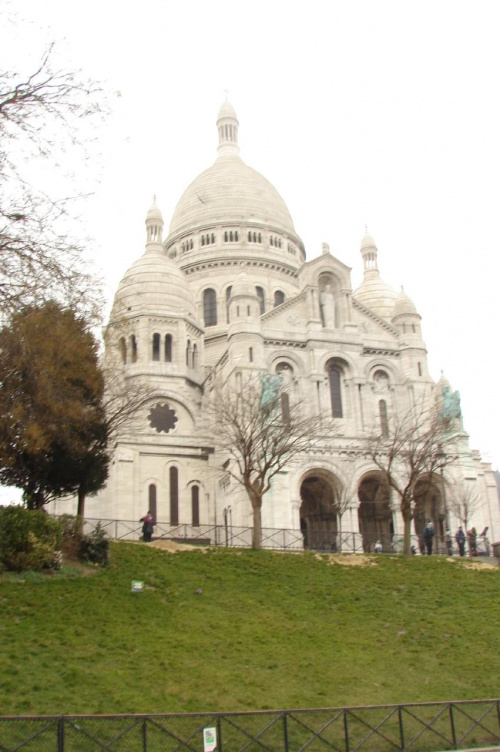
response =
{"points": [[29, 539], [94, 547]]}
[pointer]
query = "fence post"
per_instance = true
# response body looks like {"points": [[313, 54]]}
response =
{"points": [[219, 735], [452, 724], [401, 729], [60, 735], [285, 731], [346, 732]]}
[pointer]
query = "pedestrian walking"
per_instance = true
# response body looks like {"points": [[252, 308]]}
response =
{"points": [[429, 534], [460, 539], [147, 527]]}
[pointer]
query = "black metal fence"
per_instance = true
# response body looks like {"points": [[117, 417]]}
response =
{"points": [[420, 727], [280, 538]]}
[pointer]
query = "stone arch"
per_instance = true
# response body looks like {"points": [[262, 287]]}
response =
{"points": [[374, 511], [318, 511], [429, 506], [380, 364], [284, 356]]}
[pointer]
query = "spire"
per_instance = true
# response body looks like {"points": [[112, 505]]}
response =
{"points": [[369, 254], [227, 125], [154, 225]]}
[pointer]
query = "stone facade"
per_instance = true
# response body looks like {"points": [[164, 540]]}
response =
{"points": [[229, 290]]}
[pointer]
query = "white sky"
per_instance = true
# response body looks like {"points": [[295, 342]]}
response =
{"points": [[384, 112]]}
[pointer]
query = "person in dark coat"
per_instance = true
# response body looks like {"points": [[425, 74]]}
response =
{"points": [[147, 527], [460, 539], [429, 534]]}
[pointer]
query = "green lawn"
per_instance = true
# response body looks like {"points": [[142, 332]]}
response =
{"points": [[269, 630]]}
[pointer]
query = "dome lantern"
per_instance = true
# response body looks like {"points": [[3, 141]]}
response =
{"points": [[227, 125], [154, 225]]}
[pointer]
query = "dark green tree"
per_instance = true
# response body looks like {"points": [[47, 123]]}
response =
{"points": [[53, 428]]}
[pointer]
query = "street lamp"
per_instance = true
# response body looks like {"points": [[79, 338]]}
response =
{"points": [[440, 456]]}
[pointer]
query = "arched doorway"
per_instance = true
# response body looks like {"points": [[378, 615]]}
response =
{"points": [[318, 513], [375, 515], [429, 507]]}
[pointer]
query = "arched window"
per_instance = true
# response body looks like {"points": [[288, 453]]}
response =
{"points": [[188, 353], [250, 354], [174, 496], [152, 501], [156, 346], [384, 426], [334, 381], [210, 307], [279, 298], [195, 356], [123, 349], [228, 295], [133, 349], [195, 506], [168, 348], [285, 407], [262, 302]]}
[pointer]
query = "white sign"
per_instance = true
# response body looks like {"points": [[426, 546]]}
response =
{"points": [[137, 587], [209, 739]]}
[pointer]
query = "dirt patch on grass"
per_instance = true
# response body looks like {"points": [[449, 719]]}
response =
{"points": [[173, 547], [349, 560], [478, 565]]}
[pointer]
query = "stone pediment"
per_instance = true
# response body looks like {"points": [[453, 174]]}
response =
{"points": [[291, 314], [370, 323]]}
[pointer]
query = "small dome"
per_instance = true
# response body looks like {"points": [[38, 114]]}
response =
{"points": [[404, 306], [243, 287], [227, 111], [367, 242], [376, 295], [155, 286], [154, 213]]}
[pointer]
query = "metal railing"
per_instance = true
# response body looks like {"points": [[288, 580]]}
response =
{"points": [[416, 727], [235, 536]]}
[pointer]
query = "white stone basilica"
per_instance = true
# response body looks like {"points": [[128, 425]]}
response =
{"points": [[230, 289]]}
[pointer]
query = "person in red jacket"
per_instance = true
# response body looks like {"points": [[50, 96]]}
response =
{"points": [[147, 527]]}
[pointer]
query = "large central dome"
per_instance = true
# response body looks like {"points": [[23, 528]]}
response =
{"points": [[230, 192]]}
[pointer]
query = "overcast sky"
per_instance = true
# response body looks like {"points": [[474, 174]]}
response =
{"points": [[376, 112]]}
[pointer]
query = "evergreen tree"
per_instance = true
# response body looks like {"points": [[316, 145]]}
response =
{"points": [[53, 429]]}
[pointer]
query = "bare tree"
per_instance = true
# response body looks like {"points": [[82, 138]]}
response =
{"points": [[344, 495], [418, 444], [464, 502], [260, 429], [41, 119]]}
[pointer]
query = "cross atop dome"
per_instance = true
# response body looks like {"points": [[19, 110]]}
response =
{"points": [[227, 125]]}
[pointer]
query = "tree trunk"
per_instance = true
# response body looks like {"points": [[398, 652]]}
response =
{"points": [[257, 525], [407, 518], [80, 510]]}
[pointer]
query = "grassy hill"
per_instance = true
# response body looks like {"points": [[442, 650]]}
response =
{"points": [[269, 630]]}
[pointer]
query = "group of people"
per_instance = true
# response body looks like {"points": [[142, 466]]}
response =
{"points": [[460, 538]]}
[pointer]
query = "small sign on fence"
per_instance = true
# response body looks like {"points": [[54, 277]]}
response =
{"points": [[209, 739]]}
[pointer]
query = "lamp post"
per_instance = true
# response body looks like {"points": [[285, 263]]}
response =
{"points": [[441, 457]]}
